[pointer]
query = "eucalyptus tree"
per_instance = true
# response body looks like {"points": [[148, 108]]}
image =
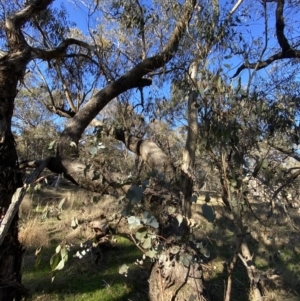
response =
{"points": [[127, 47], [18, 51]]}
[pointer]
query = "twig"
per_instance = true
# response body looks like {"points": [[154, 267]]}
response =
{"points": [[134, 241]]}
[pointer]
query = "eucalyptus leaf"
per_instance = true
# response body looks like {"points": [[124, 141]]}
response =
{"points": [[123, 269], [60, 266], [58, 248], [151, 253], [147, 243], [154, 223], [146, 217], [134, 222], [54, 260], [141, 233], [179, 218], [64, 254]]}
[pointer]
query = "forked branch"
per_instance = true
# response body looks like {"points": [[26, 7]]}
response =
{"points": [[287, 51]]}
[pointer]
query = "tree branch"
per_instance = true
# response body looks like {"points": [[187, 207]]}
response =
{"points": [[60, 111], [14, 23], [290, 153], [153, 155], [287, 51], [58, 51], [282, 40], [260, 65], [133, 78]]}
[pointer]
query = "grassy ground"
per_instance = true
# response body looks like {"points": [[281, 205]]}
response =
{"points": [[82, 279], [274, 247]]}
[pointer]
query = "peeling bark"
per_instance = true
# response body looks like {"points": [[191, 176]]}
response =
{"points": [[172, 281]]}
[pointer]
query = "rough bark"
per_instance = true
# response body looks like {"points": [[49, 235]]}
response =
{"points": [[12, 65], [10, 250], [172, 281]]}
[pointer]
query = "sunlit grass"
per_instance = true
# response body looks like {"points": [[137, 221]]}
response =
{"points": [[81, 279]]}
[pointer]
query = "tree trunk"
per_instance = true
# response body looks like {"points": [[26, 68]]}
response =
{"points": [[189, 152], [10, 250], [172, 281]]}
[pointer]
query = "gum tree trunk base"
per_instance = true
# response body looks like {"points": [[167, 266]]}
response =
{"points": [[172, 281]]}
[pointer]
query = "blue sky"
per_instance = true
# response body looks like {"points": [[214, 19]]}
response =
{"points": [[252, 31]]}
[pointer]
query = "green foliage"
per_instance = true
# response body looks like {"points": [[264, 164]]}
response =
{"points": [[58, 259]]}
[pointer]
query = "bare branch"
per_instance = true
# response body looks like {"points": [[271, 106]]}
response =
{"points": [[133, 78], [282, 40], [59, 51], [260, 65], [290, 153], [287, 51], [14, 23]]}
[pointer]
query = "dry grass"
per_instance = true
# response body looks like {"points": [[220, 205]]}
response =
{"points": [[38, 228], [219, 236], [34, 234], [25, 209]]}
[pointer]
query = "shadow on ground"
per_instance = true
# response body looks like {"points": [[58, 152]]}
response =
{"points": [[82, 279], [273, 243]]}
